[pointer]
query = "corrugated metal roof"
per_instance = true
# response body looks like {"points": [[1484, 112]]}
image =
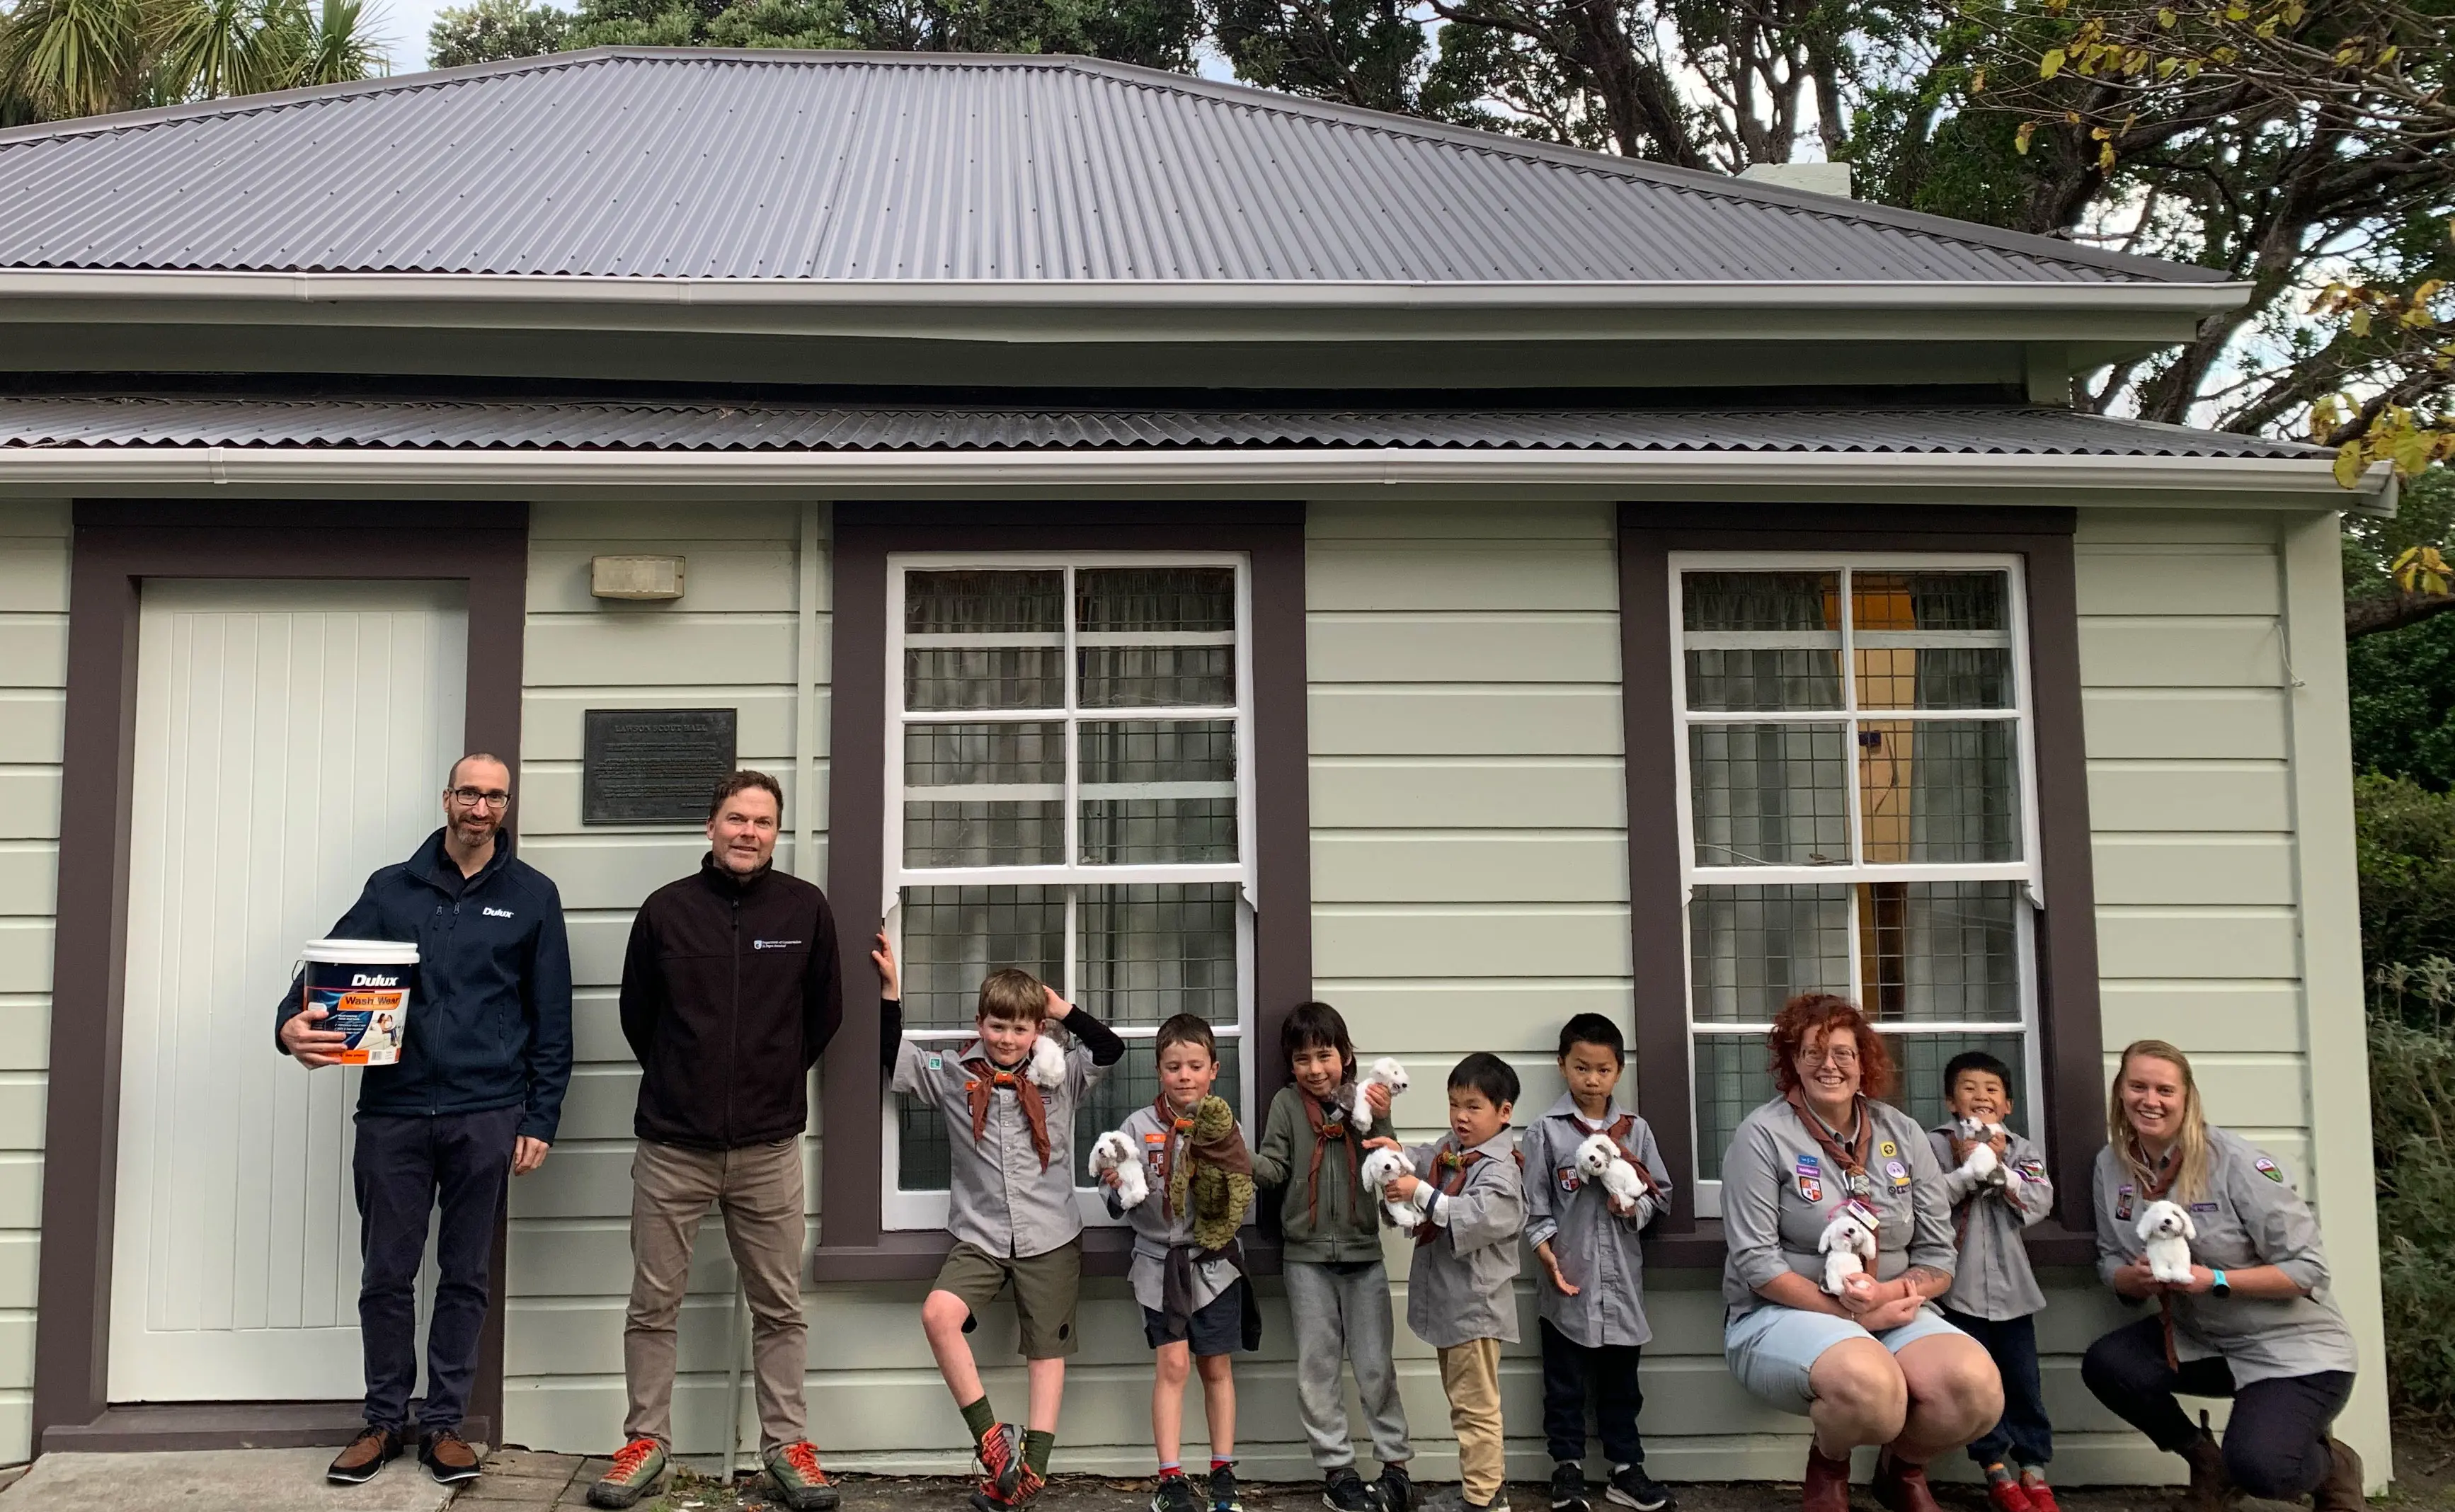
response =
{"points": [[772, 165], [419, 424]]}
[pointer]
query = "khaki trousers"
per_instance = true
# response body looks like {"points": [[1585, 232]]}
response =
{"points": [[1470, 1375], [758, 1190]]}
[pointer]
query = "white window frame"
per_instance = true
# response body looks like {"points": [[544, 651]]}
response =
{"points": [[2026, 870], [902, 1210]]}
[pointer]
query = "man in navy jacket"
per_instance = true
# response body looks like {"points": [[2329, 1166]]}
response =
{"points": [[475, 1097]]}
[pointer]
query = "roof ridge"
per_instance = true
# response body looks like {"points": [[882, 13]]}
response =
{"points": [[1234, 95]]}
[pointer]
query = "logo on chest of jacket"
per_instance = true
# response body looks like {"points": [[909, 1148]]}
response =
{"points": [[492, 912], [774, 944], [1567, 1178]]}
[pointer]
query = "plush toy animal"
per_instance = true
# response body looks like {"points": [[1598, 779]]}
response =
{"points": [[1380, 1168], [2168, 1231], [1047, 1063], [1113, 1151], [1982, 1163], [1849, 1247], [1386, 1072], [1599, 1159]]}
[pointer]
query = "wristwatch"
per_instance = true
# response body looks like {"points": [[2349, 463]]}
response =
{"points": [[2219, 1287]]}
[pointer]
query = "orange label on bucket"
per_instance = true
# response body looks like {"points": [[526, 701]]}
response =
{"points": [[373, 1014]]}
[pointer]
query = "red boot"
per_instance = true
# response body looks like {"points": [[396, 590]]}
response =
{"points": [[1827, 1482], [1901, 1485]]}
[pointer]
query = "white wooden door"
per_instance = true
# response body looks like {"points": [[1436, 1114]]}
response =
{"points": [[291, 739]]}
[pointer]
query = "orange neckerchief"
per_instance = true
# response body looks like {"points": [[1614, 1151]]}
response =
{"points": [[985, 1079]]}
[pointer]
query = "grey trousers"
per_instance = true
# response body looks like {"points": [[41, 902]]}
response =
{"points": [[758, 1191], [1339, 1319]]}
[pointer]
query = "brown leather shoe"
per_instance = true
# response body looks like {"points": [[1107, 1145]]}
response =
{"points": [[2211, 1489], [1901, 1485], [1826, 1486], [2342, 1490], [448, 1456], [366, 1454]]}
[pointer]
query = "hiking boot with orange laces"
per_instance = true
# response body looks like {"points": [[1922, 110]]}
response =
{"points": [[1028, 1485], [793, 1467], [1000, 1452], [638, 1467], [369, 1452]]}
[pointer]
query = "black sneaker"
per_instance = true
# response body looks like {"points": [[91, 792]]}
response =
{"points": [[1222, 1490], [1632, 1486], [1395, 1490], [1343, 1490], [369, 1452], [1569, 1487], [1174, 1493]]}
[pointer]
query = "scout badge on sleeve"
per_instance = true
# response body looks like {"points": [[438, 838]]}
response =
{"points": [[2267, 1168]]}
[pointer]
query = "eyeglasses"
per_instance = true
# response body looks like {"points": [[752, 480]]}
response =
{"points": [[1844, 1057], [476, 797]]}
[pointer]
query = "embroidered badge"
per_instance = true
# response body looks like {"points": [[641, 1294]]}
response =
{"points": [[1811, 1179], [1900, 1173], [2031, 1170], [2122, 1203], [2204, 1207], [1567, 1178], [937, 1062], [1888, 1148], [2267, 1168]]}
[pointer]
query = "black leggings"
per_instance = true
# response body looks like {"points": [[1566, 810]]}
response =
{"points": [[2275, 1444]]}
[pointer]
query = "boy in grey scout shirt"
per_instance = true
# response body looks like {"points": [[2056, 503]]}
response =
{"points": [[1995, 1296], [1010, 1203], [1592, 1304], [1460, 1297]]}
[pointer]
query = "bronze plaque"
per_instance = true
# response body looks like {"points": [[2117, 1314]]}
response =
{"points": [[652, 766]]}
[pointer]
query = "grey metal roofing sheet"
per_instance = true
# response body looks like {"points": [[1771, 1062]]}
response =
{"points": [[775, 165], [117, 421]]}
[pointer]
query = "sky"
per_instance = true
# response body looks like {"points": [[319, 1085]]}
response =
{"points": [[403, 26]]}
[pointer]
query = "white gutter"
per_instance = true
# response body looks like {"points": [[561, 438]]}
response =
{"points": [[37, 285], [1234, 469]]}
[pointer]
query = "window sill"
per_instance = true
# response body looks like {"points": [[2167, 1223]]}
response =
{"points": [[915, 1256], [1700, 1248]]}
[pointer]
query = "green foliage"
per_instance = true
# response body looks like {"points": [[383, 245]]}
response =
{"points": [[2404, 839], [2402, 681], [490, 30], [63, 58], [1158, 34], [2412, 1097]]}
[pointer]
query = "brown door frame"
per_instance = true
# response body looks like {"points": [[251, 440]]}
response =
{"points": [[117, 545]]}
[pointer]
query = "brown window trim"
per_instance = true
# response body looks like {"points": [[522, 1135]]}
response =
{"points": [[2068, 983], [116, 546], [853, 1245]]}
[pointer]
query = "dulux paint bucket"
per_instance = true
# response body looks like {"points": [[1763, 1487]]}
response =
{"points": [[364, 985]]}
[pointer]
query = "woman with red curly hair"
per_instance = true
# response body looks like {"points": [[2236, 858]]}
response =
{"points": [[1871, 1362]]}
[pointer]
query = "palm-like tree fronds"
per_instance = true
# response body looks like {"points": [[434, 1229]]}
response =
{"points": [[72, 57]]}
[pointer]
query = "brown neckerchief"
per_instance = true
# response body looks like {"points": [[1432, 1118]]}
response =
{"points": [[2155, 1191], [1618, 1131], [1227, 1152], [1325, 1134], [1853, 1157], [984, 1081], [1448, 1185]]}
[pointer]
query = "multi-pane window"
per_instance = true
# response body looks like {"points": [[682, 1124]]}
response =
{"points": [[1858, 815], [1067, 792]]}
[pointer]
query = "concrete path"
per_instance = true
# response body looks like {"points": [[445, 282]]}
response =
{"points": [[217, 1480]]}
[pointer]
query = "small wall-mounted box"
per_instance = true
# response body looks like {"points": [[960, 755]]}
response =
{"points": [[634, 577]]}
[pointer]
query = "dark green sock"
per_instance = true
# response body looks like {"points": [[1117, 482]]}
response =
{"points": [[978, 1417], [1036, 1445]]}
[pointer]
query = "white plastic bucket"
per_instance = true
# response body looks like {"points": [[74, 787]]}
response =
{"points": [[364, 985]]}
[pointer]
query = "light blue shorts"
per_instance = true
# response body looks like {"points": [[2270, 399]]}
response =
{"points": [[1772, 1349]]}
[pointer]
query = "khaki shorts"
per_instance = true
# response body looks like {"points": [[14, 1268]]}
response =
{"points": [[1046, 1289]]}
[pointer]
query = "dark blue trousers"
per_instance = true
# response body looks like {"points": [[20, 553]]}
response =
{"points": [[2023, 1435], [1607, 1376], [402, 1169]]}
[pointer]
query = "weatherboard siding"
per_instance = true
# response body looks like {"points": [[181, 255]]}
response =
{"points": [[33, 677], [732, 641]]}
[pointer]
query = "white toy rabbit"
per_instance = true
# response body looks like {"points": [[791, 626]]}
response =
{"points": [[1981, 1164], [1849, 1247], [1047, 1063], [1114, 1151], [1599, 1159], [2168, 1231], [1386, 1072], [1380, 1168]]}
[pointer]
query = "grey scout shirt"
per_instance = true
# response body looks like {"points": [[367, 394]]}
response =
{"points": [[1779, 1189], [1597, 1249], [1458, 1284], [1000, 1200], [2249, 1216], [1155, 1233], [1994, 1280]]}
